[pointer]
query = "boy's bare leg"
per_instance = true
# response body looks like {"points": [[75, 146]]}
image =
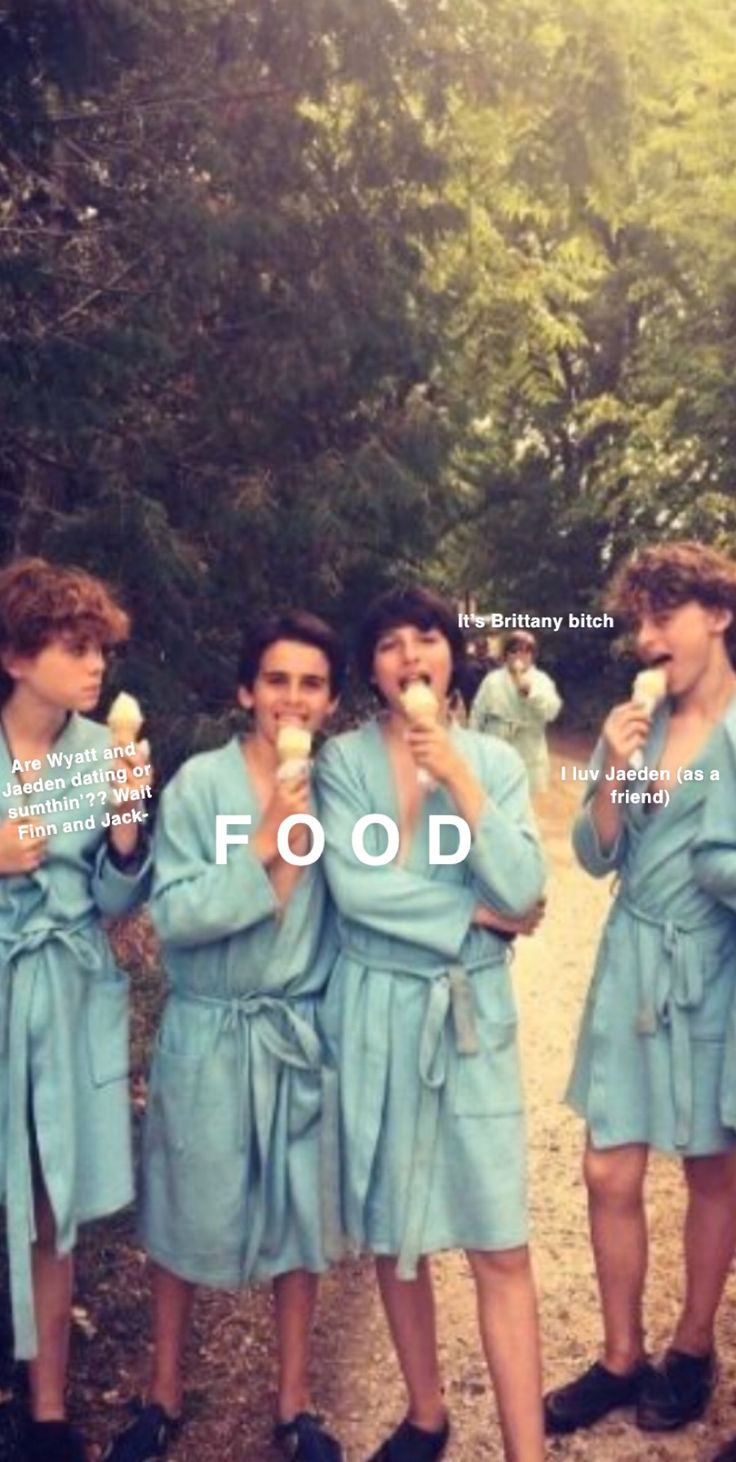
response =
{"points": [[295, 1297], [172, 1308], [409, 1306], [507, 1317], [710, 1239], [618, 1229], [53, 1279]]}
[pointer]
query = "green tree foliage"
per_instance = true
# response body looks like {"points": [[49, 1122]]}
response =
{"points": [[300, 298], [217, 323], [591, 353]]}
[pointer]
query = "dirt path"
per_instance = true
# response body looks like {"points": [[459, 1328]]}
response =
{"points": [[356, 1379]]}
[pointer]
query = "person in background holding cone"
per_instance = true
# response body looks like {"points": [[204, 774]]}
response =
{"points": [[517, 702], [649, 1065]]}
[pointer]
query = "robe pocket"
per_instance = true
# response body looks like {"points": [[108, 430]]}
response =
{"points": [[489, 1083], [196, 1103], [305, 1101], [107, 1022]]}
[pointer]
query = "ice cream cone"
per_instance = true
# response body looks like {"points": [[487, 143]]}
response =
{"points": [[124, 719], [421, 706], [648, 691], [419, 703], [293, 750]]}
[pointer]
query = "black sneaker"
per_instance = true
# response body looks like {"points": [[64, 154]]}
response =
{"points": [[12, 1432], [305, 1440], [53, 1441], [590, 1397], [676, 1391], [147, 1438], [410, 1443]]}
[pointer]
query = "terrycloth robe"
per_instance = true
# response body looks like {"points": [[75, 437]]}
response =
{"points": [[714, 861], [521, 720], [240, 1154], [420, 1010], [649, 1060], [63, 1021]]}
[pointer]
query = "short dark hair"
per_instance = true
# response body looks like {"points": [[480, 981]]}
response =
{"points": [[520, 639], [422, 608], [297, 625]]}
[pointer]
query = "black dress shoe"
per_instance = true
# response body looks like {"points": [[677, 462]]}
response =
{"points": [[410, 1443], [305, 1440], [146, 1438], [12, 1432], [677, 1391], [590, 1397], [53, 1441]]}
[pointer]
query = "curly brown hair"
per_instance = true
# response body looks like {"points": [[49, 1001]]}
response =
{"points": [[670, 574], [41, 602]]}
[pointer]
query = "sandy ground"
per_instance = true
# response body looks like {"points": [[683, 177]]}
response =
{"points": [[355, 1375]]}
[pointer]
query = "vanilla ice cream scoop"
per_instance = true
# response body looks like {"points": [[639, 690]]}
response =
{"points": [[124, 718], [293, 742], [648, 691], [419, 702], [650, 688], [293, 750]]}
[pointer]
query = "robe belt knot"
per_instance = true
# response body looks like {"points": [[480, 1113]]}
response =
{"points": [[449, 993], [668, 993], [270, 1034]]}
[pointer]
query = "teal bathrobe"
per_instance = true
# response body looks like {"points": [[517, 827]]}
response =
{"points": [[420, 1009], [239, 1177], [649, 1060], [63, 1020], [714, 857]]}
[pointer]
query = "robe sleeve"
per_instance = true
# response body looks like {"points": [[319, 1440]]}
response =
{"points": [[392, 901], [543, 698], [505, 856], [585, 838], [480, 711], [714, 848], [117, 891], [196, 900]]}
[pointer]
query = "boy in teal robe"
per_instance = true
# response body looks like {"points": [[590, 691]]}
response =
{"points": [[715, 858], [649, 1064], [64, 864], [421, 1015], [239, 1172]]}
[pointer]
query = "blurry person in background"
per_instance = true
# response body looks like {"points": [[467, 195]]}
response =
{"points": [[516, 702], [482, 655]]}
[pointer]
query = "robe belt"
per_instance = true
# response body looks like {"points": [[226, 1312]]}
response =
{"points": [[277, 1036], [18, 972], [449, 992], [668, 993]]}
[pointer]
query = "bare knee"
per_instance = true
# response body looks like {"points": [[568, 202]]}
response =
{"points": [[712, 1177], [615, 1177], [495, 1267]]}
